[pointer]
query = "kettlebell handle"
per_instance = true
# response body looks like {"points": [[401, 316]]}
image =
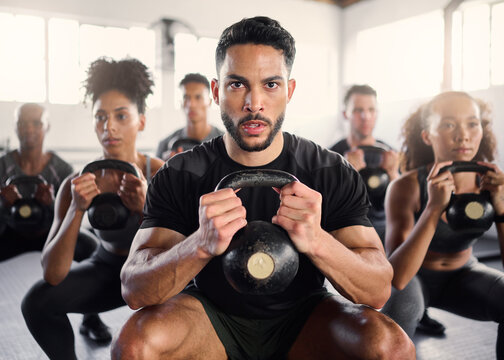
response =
{"points": [[372, 148], [256, 178], [110, 164], [25, 179], [465, 166]]}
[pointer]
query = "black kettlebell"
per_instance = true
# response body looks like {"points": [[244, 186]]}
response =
{"points": [[261, 258], [107, 211], [469, 212], [185, 143], [375, 178], [27, 214]]}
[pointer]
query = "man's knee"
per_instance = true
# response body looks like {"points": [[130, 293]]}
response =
{"points": [[384, 339], [145, 336]]}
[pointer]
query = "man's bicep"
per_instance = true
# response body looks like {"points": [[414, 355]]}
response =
{"points": [[358, 236]]}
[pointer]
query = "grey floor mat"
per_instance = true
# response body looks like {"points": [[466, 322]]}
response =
{"points": [[465, 339]]}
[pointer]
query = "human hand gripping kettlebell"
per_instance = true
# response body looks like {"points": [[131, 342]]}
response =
{"points": [[261, 258]]}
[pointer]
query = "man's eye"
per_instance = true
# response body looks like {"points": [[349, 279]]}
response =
{"points": [[236, 84], [100, 117], [122, 116], [271, 85]]}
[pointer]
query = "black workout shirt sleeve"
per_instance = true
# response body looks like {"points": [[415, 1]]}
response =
{"points": [[163, 208]]}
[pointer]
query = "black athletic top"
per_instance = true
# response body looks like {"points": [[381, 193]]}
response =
{"points": [[445, 240], [373, 160], [166, 144], [122, 238], [173, 201]]}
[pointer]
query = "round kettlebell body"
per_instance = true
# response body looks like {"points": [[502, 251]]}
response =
{"points": [[375, 178], [107, 211], [261, 258], [27, 214], [469, 212]]}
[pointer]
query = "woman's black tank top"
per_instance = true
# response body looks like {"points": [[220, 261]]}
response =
{"points": [[445, 240]]}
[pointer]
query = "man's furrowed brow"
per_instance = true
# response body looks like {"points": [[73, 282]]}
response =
{"points": [[237, 78], [273, 78]]}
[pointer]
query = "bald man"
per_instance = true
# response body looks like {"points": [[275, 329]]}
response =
{"points": [[29, 159]]}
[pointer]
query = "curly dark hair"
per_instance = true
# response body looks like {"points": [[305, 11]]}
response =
{"points": [[416, 153], [129, 76], [259, 30]]}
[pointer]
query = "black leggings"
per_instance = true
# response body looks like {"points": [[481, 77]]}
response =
{"points": [[91, 286], [474, 291]]}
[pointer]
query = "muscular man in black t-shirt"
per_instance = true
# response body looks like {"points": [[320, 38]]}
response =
{"points": [[188, 225]]}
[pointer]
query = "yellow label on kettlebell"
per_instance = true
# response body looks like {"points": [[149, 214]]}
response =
{"points": [[373, 182], [260, 265], [25, 211], [474, 210]]}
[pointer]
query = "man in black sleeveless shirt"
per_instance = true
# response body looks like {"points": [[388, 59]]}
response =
{"points": [[187, 226]]}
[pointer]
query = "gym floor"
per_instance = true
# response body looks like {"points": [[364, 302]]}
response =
{"points": [[464, 338]]}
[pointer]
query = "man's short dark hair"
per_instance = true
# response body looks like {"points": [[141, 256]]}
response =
{"points": [[259, 30], [358, 89], [195, 78]]}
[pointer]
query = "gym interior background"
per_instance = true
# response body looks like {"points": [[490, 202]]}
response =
{"points": [[408, 50]]}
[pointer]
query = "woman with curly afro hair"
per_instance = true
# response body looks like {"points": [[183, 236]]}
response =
{"points": [[118, 90], [432, 260]]}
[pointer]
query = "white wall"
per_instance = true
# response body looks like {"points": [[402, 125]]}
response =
{"points": [[373, 13], [309, 22]]}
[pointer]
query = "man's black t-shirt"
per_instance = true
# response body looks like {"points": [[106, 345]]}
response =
{"points": [[173, 201], [372, 158]]}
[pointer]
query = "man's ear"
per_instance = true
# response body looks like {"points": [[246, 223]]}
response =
{"points": [[426, 137], [344, 114], [215, 90], [291, 86]]}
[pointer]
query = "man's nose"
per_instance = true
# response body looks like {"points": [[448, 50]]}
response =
{"points": [[253, 101]]}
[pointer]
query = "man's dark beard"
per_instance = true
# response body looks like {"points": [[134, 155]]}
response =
{"points": [[235, 134]]}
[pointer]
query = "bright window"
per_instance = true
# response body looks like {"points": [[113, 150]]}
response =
{"points": [[497, 45], [71, 48], [193, 55], [478, 46], [403, 59], [22, 64], [64, 74]]}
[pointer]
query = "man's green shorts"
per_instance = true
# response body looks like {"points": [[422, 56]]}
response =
{"points": [[259, 339]]}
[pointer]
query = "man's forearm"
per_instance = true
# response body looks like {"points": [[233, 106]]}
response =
{"points": [[363, 275], [154, 275]]}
